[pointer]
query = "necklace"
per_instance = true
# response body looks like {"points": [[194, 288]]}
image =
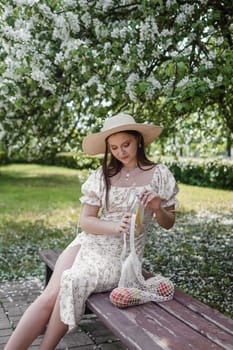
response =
{"points": [[128, 172]]}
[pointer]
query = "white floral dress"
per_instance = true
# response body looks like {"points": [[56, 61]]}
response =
{"points": [[97, 266]]}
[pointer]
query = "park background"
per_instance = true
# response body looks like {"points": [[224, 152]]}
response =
{"points": [[65, 66]]}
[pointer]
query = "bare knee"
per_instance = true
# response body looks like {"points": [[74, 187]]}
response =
{"points": [[47, 300]]}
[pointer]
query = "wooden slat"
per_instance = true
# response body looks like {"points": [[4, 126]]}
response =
{"points": [[149, 326], [49, 256], [203, 326], [205, 311]]}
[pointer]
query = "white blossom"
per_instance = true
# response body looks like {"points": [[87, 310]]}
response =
{"points": [[174, 53], [166, 32], [155, 84], [219, 78], [100, 88], [107, 46], [47, 13], [211, 30], [73, 21], [86, 19], [212, 55], [149, 29], [20, 34], [130, 86], [209, 82], [219, 40], [83, 3], [115, 33], [38, 75], [187, 9], [126, 50], [69, 3], [59, 58], [98, 27], [83, 69], [182, 82], [92, 81], [170, 3], [208, 64], [107, 61], [181, 19], [105, 4], [26, 2]]}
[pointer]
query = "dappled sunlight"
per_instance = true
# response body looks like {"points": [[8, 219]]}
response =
{"points": [[38, 191], [34, 170], [59, 218], [203, 199]]}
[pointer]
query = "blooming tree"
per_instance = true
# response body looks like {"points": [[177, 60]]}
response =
{"points": [[66, 64]]}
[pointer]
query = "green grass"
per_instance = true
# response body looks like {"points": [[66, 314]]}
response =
{"points": [[35, 192], [38, 191], [202, 199], [39, 208]]}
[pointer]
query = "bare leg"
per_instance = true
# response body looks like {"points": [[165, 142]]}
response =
{"points": [[38, 313], [56, 329]]}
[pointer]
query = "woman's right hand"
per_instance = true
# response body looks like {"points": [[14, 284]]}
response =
{"points": [[123, 226]]}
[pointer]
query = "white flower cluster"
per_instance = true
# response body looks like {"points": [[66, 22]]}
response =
{"points": [[103, 57], [155, 85], [26, 2], [105, 4], [61, 30], [181, 18], [209, 83], [149, 29], [170, 3], [182, 82], [130, 86], [73, 21], [187, 9]]}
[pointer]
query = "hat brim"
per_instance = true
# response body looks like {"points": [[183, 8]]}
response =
{"points": [[94, 144]]}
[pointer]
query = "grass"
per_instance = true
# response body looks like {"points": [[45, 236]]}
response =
{"points": [[39, 208], [203, 199], [38, 192]]}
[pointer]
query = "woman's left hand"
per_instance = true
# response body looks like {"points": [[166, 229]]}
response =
{"points": [[150, 200]]}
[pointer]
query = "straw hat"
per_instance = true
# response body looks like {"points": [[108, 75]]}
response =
{"points": [[95, 143]]}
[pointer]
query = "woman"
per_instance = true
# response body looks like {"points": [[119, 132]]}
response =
{"points": [[91, 263]]}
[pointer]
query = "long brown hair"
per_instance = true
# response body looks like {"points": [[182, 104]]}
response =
{"points": [[113, 166]]}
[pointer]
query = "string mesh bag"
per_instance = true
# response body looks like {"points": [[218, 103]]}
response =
{"points": [[133, 288]]}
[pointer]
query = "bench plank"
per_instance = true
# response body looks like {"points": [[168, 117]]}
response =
{"points": [[183, 323], [195, 321], [149, 325], [49, 256], [205, 311]]}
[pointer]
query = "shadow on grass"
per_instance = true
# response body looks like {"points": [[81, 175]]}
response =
{"points": [[20, 243], [197, 255]]}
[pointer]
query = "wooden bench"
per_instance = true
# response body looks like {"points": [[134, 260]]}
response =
{"points": [[180, 324]]}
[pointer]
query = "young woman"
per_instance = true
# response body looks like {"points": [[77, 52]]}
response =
{"points": [[91, 263]]}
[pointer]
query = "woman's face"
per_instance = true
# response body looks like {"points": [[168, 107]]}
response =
{"points": [[123, 147]]}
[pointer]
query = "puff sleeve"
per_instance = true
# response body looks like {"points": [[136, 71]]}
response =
{"points": [[93, 189], [164, 184]]}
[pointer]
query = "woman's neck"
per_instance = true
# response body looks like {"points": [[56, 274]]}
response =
{"points": [[130, 167]]}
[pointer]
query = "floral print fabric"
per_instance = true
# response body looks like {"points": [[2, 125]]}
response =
{"points": [[97, 266]]}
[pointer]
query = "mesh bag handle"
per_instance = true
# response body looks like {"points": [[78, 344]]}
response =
{"points": [[133, 289]]}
